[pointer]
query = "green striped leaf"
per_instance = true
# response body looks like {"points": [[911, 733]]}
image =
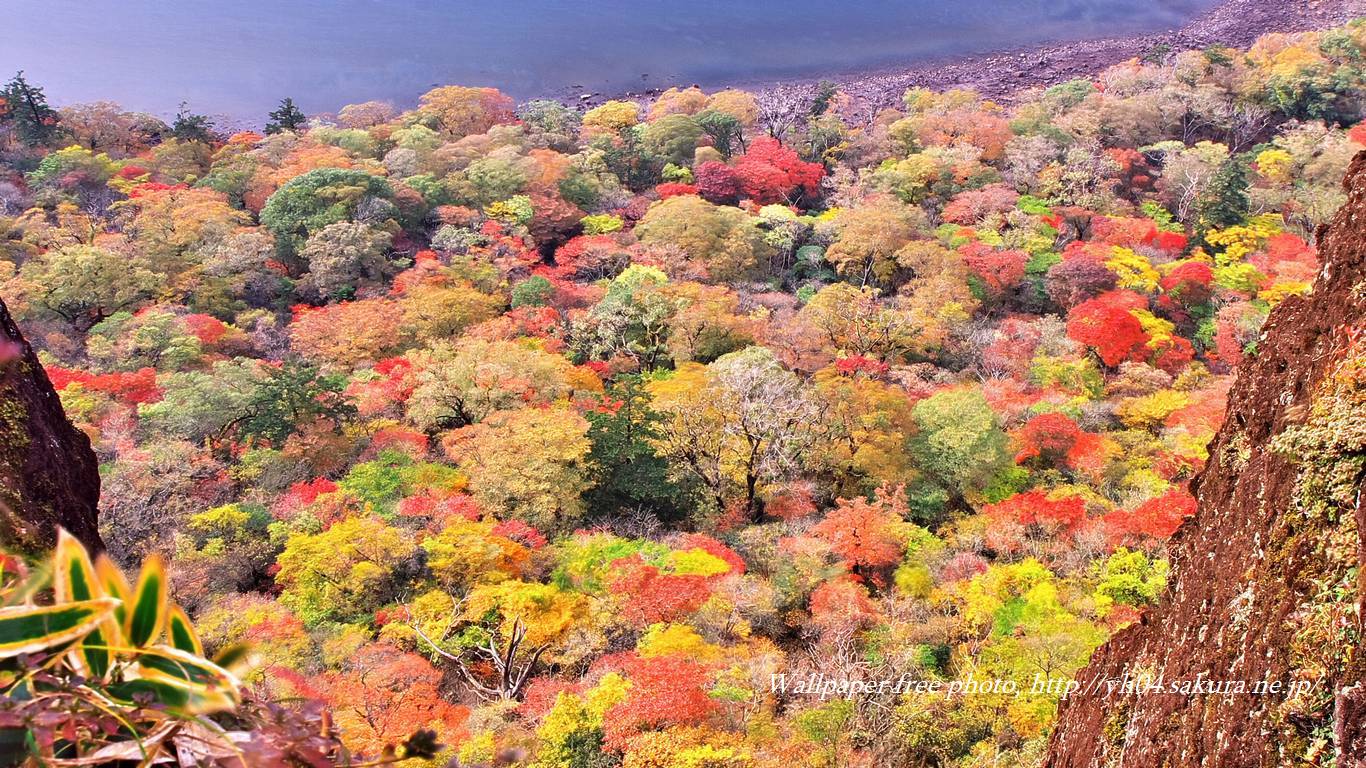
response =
{"points": [[147, 614], [180, 632], [93, 653], [75, 581], [32, 629], [115, 584], [209, 687], [128, 692], [233, 657]]}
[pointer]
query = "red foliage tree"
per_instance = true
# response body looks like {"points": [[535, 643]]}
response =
{"points": [[393, 387], [963, 565], [998, 271], [207, 328], [440, 507], [716, 182], [1171, 242], [591, 257], [651, 596], [855, 365], [864, 534], [1286, 257], [552, 219], [665, 691], [1047, 438], [1156, 518], [1189, 283], [129, 388], [1012, 350], [539, 696], [384, 694], [1121, 230], [1172, 354], [1077, 279], [1135, 174], [674, 189], [841, 605], [520, 532], [772, 173], [403, 439], [1054, 440], [971, 206], [1033, 509], [1107, 325], [791, 502]]}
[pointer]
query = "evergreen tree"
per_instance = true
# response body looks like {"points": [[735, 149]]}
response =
{"points": [[631, 475], [725, 131], [26, 110], [287, 117], [1224, 202], [189, 126], [825, 93]]}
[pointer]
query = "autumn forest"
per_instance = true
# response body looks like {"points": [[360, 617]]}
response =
{"points": [[488, 433]]}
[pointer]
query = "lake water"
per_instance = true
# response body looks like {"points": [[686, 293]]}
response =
{"points": [[239, 57]]}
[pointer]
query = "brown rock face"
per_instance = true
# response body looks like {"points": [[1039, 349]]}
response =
{"points": [[1270, 573], [48, 473]]}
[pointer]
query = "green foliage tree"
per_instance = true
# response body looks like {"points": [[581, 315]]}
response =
{"points": [[672, 138], [1224, 202], [342, 572], [1130, 577], [26, 111], [462, 384], [85, 284], [726, 131], [313, 200], [342, 257], [827, 726], [630, 473], [286, 117], [244, 400], [724, 240], [191, 126], [959, 441], [528, 465], [631, 320]]}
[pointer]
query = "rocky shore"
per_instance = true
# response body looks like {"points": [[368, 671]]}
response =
{"points": [[1001, 75]]}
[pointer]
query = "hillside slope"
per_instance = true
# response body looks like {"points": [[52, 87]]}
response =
{"points": [[48, 472], [1267, 581]]}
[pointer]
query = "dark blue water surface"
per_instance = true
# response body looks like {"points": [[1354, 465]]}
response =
{"points": [[238, 57]]}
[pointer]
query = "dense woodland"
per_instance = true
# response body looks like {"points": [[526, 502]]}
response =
{"points": [[562, 433]]}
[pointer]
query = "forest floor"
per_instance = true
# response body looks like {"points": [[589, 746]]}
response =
{"points": [[1003, 74]]}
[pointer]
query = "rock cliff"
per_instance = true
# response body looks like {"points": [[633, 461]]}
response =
{"points": [[48, 473]]}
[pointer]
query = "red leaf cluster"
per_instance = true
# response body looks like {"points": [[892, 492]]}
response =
{"points": [[665, 691], [674, 189], [651, 596], [772, 173], [1157, 518], [1107, 325], [999, 271], [864, 534], [1033, 508], [129, 388]]}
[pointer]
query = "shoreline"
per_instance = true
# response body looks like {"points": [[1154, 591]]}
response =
{"points": [[1004, 74]]}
